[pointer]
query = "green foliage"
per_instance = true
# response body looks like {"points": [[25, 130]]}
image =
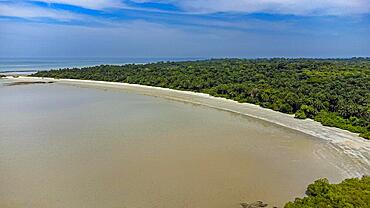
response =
{"points": [[300, 114], [365, 135], [351, 193], [306, 112], [335, 92], [335, 120]]}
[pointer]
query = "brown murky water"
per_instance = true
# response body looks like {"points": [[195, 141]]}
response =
{"points": [[66, 146]]}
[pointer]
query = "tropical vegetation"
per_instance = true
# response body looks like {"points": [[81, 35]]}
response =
{"points": [[351, 193]]}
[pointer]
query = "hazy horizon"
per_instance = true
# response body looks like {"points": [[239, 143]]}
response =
{"points": [[184, 58]]}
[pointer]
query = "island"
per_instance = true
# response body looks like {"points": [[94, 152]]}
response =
{"points": [[334, 92]]}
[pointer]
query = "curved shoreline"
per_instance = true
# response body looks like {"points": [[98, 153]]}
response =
{"points": [[347, 142]]}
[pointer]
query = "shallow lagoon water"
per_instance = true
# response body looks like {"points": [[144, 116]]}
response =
{"points": [[68, 146]]}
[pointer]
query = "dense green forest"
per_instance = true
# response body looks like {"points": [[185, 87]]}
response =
{"points": [[335, 92], [351, 193]]}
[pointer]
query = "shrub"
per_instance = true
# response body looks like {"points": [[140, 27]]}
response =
{"points": [[300, 114]]}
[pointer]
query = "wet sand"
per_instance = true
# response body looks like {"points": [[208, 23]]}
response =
{"points": [[92, 144]]}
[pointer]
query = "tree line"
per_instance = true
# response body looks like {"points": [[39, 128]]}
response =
{"points": [[335, 92]]}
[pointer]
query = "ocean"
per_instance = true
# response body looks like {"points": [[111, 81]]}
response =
{"points": [[27, 65]]}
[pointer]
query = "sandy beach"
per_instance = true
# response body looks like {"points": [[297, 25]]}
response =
{"points": [[349, 143]]}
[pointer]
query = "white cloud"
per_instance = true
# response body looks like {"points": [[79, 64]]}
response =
{"points": [[295, 7], [289, 7], [89, 4], [30, 11]]}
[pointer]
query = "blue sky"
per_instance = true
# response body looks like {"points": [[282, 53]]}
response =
{"points": [[184, 28]]}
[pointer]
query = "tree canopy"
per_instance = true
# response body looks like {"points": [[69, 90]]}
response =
{"points": [[351, 193]]}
